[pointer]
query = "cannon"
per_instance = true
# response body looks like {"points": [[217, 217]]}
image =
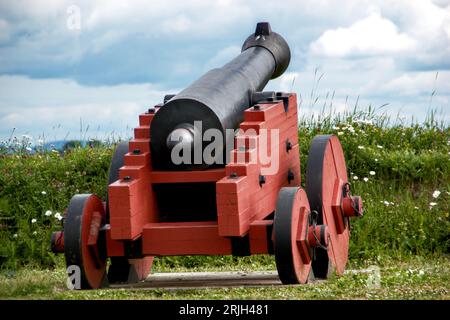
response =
{"points": [[215, 170], [219, 97]]}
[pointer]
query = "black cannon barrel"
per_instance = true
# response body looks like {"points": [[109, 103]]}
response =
{"points": [[218, 99]]}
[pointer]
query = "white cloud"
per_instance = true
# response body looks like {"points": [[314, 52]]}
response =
{"points": [[177, 24], [415, 32], [4, 31], [222, 57], [442, 3], [373, 35], [429, 25], [50, 103], [419, 83], [285, 82], [380, 51]]}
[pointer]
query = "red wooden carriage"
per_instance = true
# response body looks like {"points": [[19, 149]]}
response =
{"points": [[241, 208]]}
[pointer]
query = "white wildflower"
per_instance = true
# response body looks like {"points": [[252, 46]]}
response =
{"points": [[360, 147], [432, 204], [48, 213], [364, 121], [43, 192], [365, 179], [372, 173], [35, 233], [376, 160], [355, 177], [33, 220], [436, 194], [340, 133], [379, 147], [386, 203], [417, 208], [15, 235], [58, 216]]}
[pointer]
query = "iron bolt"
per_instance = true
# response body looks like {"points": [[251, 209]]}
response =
{"points": [[233, 175], [291, 176], [262, 180], [288, 146]]}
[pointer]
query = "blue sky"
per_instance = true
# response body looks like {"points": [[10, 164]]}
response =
{"points": [[102, 62]]}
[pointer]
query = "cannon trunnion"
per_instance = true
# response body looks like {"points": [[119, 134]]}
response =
{"points": [[249, 202]]}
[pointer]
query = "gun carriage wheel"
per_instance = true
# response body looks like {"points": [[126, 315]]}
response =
{"points": [[84, 243], [329, 197], [291, 223]]}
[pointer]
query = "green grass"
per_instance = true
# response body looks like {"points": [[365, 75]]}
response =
{"points": [[32, 185], [408, 163], [402, 221], [414, 278]]}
